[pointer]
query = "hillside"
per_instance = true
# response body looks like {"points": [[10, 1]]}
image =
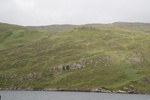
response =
{"points": [[143, 27], [12, 36], [85, 57]]}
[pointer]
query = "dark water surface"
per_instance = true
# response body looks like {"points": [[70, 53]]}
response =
{"points": [[49, 95]]}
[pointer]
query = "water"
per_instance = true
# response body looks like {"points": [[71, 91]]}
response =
{"points": [[49, 95]]}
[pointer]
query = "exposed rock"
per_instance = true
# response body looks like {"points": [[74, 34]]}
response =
{"points": [[147, 79], [29, 89], [105, 91], [95, 90], [131, 91], [96, 63], [60, 67], [136, 58], [48, 89], [131, 86], [73, 66], [125, 89], [121, 91], [107, 58], [67, 67]]}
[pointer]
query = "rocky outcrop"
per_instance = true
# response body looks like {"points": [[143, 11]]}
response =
{"points": [[100, 90], [121, 91], [137, 59], [73, 66], [147, 79], [104, 60]]}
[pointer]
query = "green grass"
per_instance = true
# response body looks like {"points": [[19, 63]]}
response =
{"points": [[16, 36], [114, 57]]}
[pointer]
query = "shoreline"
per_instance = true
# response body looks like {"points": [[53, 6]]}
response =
{"points": [[74, 90]]}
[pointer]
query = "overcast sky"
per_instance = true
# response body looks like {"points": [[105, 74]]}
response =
{"points": [[46, 12]]}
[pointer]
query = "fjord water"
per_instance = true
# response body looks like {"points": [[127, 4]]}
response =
{"points": [[49, 95]]}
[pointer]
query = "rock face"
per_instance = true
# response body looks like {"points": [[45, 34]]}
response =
{"points": [[125, 89], [121, 91], [100, 90], [73, 66], [95, 90], [105, 61], [136, 58], [77, 65]]}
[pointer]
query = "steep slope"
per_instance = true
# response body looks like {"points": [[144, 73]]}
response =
{"points": [[16, 36], [86, 57]]}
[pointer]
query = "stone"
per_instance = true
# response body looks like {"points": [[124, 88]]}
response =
{"points": [[104, 90], [121, 91], [95, 90], [131, 86], [125, 89], [147, 79]]}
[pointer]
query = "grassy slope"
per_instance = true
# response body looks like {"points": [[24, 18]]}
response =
{"points": [[113, 58], [15, 36], [144, 27]]}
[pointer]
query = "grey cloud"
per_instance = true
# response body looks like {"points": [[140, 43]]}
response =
{"points": [[44, 12]]}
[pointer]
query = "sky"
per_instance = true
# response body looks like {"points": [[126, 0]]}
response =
{"points": [[47, 12]]}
